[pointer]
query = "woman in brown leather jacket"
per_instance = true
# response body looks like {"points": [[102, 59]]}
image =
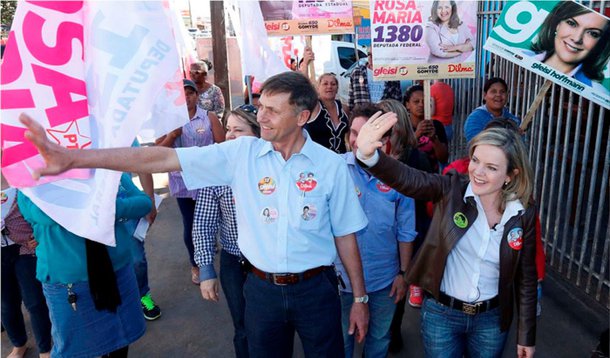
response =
{"points": [[478, 258]]}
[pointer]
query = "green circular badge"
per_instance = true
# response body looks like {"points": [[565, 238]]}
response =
{"points": [[460, 220]]}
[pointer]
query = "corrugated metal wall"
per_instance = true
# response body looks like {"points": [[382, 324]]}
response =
{"points": [[570, 152]]}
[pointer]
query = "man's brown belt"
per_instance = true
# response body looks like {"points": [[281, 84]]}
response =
{"points": [[283, 279]]}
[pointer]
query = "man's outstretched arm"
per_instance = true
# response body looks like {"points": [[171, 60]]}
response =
{"points": [[59, 159]]}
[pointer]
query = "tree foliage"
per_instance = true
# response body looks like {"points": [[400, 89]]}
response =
{"points": [[7, 12]]}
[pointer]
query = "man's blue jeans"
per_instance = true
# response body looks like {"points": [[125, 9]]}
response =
{"points": [[19, 283], [381, 311], [311, 307], [449, 333], [140, 265], [232, 279]]}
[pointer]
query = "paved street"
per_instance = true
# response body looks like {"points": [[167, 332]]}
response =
{"points": [[192, 327]]}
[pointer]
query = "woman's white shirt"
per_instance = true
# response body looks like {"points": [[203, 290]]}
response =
{"points": [[472, 271]]}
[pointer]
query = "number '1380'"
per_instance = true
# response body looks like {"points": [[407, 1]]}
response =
{"points": [[402, 33]]}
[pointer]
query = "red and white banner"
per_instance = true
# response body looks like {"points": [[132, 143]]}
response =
{"points": [[91, 73]]}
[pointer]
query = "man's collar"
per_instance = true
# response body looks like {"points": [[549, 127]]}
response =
{"points": [[308, 149], [350, 159]]}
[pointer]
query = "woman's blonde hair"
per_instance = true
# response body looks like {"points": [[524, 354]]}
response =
{"points": [[520, 186], [402, 137]]}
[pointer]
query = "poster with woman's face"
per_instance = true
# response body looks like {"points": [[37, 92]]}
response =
{"points": [[423, 39], [563, 41]]}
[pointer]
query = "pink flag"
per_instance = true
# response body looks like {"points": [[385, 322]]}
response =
{"points": [[91, 73]]}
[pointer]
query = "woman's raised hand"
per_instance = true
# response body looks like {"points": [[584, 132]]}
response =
{"points": [[371, 133]]}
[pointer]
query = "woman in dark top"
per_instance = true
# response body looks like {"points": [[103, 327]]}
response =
{"points": [[430, 134], [477, 264], [329, 122]]}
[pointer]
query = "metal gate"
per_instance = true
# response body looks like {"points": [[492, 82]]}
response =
{"points": [[570, 153]]}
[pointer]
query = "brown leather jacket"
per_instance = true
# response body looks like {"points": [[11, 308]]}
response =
{"points": [[518, 277]]}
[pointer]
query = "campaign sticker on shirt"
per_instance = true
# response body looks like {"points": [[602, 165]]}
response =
{"points": [[266, 186], [306, 181], [3, 197], [460, 220], [515, 238], [309, 212], [382, 187], [269, 215]]}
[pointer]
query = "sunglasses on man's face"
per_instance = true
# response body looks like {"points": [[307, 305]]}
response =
{"points": [[198, 72]]}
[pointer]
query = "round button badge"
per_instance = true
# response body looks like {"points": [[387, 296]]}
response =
{"points": [[269, 215], [515, 238], [266, 186], [460, 220], [306, 182], [309, 212]]}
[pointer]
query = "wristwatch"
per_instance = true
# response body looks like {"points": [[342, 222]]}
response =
{"points": [[361, 299]]}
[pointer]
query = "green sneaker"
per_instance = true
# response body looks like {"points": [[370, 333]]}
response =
{"points": [[149, 308]]}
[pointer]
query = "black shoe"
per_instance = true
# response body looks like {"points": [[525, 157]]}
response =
{"points": [[149, 308]]}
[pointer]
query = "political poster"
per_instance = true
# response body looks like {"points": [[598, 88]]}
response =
{"points": [[362, 22], [307, 17], [562, 41], [91, 73], [421, 40]]}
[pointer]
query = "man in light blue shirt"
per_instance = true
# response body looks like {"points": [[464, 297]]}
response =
{"points": [[291, 285], [386, 245]]}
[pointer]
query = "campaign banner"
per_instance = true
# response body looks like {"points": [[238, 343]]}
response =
{"points": [[46, 82], [260, 58], [562, 41], [362, 21], [422, 40], [91, 73], [307, 17]]}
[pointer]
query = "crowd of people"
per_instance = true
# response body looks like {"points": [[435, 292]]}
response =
{"points": [[329, 218]]}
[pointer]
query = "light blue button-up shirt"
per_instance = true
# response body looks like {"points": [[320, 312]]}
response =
{"points": [[391, 220], [288, 211]]}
